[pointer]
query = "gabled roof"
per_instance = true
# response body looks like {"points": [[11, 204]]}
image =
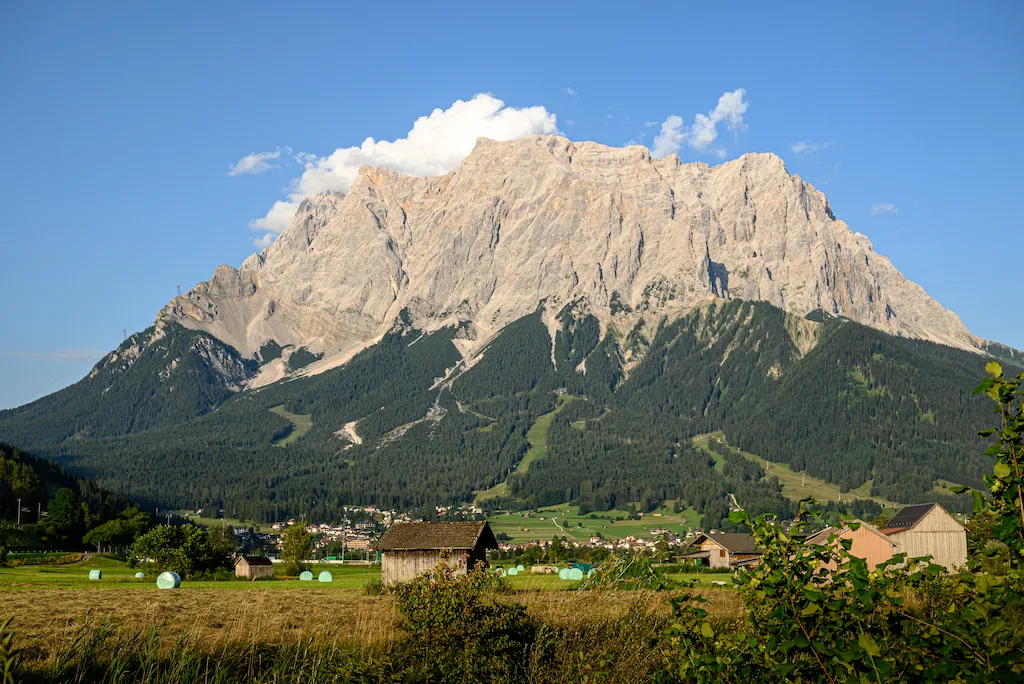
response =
{"points": [[732, 542], [426, 536], [820, 538], [254, 560], [909, 516]]}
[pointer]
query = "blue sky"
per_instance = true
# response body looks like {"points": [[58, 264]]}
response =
{"points": [[118, 127]]}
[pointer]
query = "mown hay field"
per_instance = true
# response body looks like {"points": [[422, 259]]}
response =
{"points": [[45, 618]]}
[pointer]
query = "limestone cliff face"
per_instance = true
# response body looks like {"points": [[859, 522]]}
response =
{"points": [[547, 219]]}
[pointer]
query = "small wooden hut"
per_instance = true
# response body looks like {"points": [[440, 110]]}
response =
{"points": [[253, 567], [726, 550], [929, 530], [411, 549]]}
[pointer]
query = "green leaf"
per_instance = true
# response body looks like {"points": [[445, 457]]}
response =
{"points": [[959, 489], [869, 645], [1002, 470], [979, 502], [706, 631], [810, 609], [993, 368], [737, 516]]}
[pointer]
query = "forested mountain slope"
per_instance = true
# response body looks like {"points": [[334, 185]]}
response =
{"points": [[411, 422], [161, 376]]}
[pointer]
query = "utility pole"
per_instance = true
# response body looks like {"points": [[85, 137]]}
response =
{"points": [[344, 537], [19, 512], [39, 513]]}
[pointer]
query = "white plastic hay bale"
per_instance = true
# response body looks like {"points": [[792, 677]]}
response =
{"points": [[95, 574], [325, 576], [513, 571], [306, 576], [168, 580], [140, 575], [520, 567], [718, 583], [575, 574], [563, 574]]}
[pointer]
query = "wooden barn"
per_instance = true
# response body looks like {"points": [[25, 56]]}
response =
{"points": [[727, 550], [253, 567], [411, 549], [929, 530], [867, 542]]}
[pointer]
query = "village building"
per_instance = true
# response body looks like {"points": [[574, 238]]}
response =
{"points": [[726, 550], [929, 530], [411, 549], [866, 542], [253, 567]]}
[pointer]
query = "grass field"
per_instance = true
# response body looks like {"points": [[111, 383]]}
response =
{"points": [[234, 522], [300, 425], [51, 608], [116, 575], [565, 520]]}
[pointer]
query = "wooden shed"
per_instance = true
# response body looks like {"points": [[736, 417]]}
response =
{"points": [[410, 549], [253, 567], [727, 550], [867, 542], [929, 530]]}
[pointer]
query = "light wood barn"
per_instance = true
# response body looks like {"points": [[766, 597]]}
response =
{"points": [[253, 567], [867, 542], [929, 530], [411, 549]]}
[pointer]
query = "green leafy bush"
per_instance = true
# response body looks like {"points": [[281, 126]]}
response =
{"points": [[458, 630]]}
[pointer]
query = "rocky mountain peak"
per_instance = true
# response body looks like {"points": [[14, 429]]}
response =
{"points": [[546, 219]]}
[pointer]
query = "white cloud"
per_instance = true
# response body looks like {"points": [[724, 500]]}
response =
{"points": [[277, 219], [650, 124], [730, 108], [265, 241], [671, 137], [808, 147], [884, 208], [674, 133], [570, 122], [72, 355], [570, 92], [257, 162], [434, 146]]}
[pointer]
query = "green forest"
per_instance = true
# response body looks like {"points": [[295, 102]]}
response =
{"points": [[838, 400]]}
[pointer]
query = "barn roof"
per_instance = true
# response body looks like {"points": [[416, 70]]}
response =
{"points": [[733, 542], [440, 535], [255, 560], [909, 516]]}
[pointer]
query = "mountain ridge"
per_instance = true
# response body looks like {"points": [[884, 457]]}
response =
{"points": [[546, 219]]}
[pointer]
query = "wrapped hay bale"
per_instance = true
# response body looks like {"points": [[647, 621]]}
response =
{"points": [[95, 574], [306, 576], [140, 575], [325, 576], [168, 580]]}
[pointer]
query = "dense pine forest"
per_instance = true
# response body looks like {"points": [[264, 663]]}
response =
{"points": [[408, 423]]}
